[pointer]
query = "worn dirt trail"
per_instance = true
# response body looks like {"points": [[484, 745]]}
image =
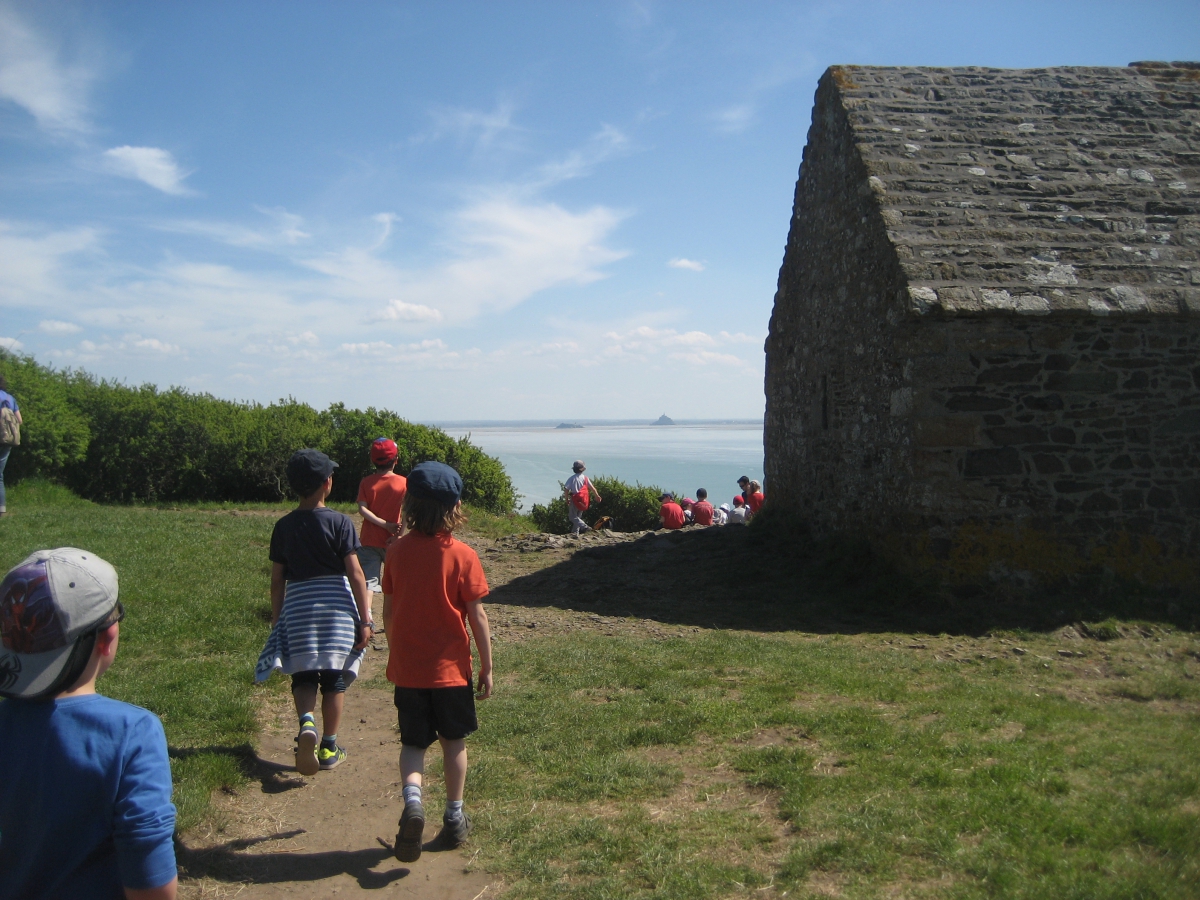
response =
{"points": [[331, 835]]}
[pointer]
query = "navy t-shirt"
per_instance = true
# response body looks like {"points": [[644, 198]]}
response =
{"points": [[85, 799], [313, 542]]}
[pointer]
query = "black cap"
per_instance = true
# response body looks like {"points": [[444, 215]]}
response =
{"points": [[308, 469], [667, 497], [435, 481]]}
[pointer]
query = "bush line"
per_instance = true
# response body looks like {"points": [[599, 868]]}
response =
{"points": [[111, 442]]}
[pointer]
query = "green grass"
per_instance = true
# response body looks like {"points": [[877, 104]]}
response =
{"points": [[717, 763], [880, 771], [195, 585]]}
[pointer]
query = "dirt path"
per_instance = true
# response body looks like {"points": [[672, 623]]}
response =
{"points": [[331, 836]]}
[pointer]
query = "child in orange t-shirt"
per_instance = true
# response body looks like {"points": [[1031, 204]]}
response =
{"points": [[432, 588], [380, 497]]}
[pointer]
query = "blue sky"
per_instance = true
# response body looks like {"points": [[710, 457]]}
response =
{"points": [[453, 210]]}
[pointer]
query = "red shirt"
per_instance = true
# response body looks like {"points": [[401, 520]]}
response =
{"points": [[702, 512], [755, 502], [383, 495], [671, 514], [430, 580]]}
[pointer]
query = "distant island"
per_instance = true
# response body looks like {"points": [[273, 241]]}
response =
{"points": [[568, 425], [664, 419]]}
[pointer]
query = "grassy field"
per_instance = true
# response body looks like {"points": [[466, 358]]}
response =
{"points": [[718, 763]]}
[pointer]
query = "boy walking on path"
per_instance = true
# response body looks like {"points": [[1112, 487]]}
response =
{"points": [[320, 609], [85, 800], [380, 497], [432, 588], [577, 490]]}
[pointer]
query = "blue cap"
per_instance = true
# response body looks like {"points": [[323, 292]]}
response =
{"points": [[435, 481], [308, 469]]}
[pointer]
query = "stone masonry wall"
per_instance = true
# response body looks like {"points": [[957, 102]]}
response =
{"points": [[1077, 429], [1048, 435], [832, 449]]}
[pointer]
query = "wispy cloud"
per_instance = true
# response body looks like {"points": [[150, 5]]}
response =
{"points": [[36, 263], [153, 165], [602, 146], [34, 77], [399, 311], [12, 345], [734, 119], [54, 326], [680, 263], [478, 128], [286, 230]]}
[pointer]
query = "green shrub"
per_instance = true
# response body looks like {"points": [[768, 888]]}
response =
{"points": [[109, 441], [631, 507]]}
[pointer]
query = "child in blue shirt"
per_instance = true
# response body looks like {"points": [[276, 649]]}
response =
{"points": [[85, 802]]}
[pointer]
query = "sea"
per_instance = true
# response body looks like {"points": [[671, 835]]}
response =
{"points": [[677, 458]]}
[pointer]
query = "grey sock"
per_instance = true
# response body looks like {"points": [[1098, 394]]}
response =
{"points": [[454, 810], [412, 794]]}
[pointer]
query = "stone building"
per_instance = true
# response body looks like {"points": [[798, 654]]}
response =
{"points": [[984, 341]]}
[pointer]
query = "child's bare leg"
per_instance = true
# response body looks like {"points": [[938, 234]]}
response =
{"points": [[305, 696], [331, 711], [412, 765], [454, 762]]}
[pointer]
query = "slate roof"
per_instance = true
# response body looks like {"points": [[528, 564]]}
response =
{"points": [[1062, 191]]}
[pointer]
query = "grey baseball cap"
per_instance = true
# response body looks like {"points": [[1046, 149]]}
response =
{"points": [[47, 603]]}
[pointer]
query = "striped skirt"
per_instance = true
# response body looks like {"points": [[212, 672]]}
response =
{"points": [[317, 629]]}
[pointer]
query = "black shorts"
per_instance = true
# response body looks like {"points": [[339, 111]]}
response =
{"points": [[330, 680], [426, 714]]}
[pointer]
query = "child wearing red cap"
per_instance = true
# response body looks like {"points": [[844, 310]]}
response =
{"points": [[380, 497], [433, 586]]}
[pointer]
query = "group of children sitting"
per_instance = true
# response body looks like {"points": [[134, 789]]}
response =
{"points": [[84, 753], [675, 514]]}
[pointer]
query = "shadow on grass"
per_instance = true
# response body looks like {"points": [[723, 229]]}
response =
{"points": [[779, 578], [226, 863], [275, 778]]}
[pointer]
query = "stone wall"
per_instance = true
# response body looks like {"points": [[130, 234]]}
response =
{"points": [[1050, 438]]}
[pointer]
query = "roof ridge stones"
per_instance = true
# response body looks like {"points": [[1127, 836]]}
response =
{"points": [[1066, 191]]}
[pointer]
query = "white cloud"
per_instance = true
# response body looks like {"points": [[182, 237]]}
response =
{"points": [[34, 77], [35, 263], [154, 344], [602, 146], [287, 230], [734, 119], [11, 344], [54, 326], [399, 311], [680, 263], [153, 165], [471, 126]]}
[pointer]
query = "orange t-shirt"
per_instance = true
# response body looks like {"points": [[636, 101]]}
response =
{"points": [[431, 580], [383, 494], [756, 501]]}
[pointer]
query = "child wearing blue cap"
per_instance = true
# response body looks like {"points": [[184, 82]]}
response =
{"points": [[432, 588], [320, 609]]}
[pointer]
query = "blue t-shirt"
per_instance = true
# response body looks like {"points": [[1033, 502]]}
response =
{"points": [[313, 542], [7, 399], [85, 799]]}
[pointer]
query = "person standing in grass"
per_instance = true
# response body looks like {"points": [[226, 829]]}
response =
{"points": [[10, 416], [433, 586], [578, 489], [380, 497], [85, 798], [320, 609]]}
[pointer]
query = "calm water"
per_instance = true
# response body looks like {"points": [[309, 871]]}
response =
{"points": [[676, 458]]}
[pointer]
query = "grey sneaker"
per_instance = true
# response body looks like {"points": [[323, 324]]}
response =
{"points": [[408, 838], [454, 831]]}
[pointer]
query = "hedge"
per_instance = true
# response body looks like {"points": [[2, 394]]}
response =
{"points": [[631, 507], [111, 442]]}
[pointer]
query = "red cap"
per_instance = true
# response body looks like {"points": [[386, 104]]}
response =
{"points": [[738, 501], [383, 451]]}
